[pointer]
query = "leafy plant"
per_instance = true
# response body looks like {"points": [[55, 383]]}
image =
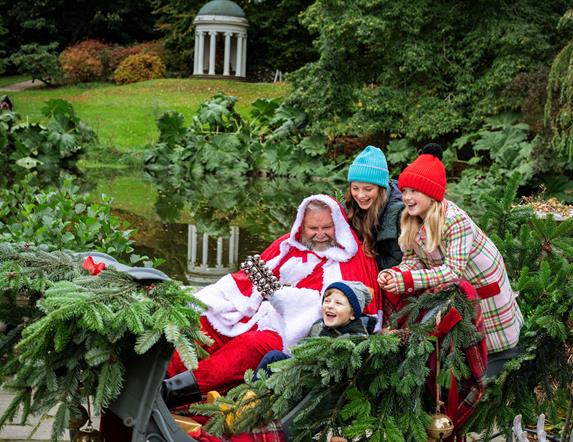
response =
{"points": [[218, 141], [499, 149], [62, 218], [44, 149]]}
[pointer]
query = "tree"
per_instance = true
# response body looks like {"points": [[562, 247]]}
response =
{"points": [[3, 31], [69, 21], [559, 106], [419, 69], [38, 61]]}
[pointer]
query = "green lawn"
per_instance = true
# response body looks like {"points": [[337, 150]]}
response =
{"points": [[124, 116], [8, 81]]}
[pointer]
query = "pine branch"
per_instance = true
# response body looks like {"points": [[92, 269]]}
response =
{"points": [[84, 326]]}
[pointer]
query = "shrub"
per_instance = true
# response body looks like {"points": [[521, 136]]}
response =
{"points": [[84, 61], [62, 218], [120, 53], [139, 67], [42, 150]]}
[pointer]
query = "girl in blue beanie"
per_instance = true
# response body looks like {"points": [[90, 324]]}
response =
{"points": [[373, 205]]}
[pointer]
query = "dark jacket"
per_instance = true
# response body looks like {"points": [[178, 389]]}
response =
{"points": [[387, 248], [355, 327]]}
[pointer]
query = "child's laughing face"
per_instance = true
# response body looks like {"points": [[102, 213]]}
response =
{"points": [[336, 310]]}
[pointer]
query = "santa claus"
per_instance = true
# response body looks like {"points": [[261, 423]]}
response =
{"points": [[244, 325]]}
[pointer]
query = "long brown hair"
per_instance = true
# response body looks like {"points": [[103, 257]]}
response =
{"points": [[365, 222]]}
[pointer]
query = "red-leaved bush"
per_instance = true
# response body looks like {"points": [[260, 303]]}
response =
{"points": [[120, 53], [84, 61]]}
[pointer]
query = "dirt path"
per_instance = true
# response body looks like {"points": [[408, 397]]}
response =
{"points": [[22, 86]]}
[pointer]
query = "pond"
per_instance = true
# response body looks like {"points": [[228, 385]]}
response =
{"points": [[206, 228]]}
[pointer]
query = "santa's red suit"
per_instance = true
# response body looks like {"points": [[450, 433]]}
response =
{"points": [[245, 326]]}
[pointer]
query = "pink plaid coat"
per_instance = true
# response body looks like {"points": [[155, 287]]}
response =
{"points": [[466, 253]]}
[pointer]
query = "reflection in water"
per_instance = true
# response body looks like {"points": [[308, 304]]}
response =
{"points": [[162, 208], [210, 258]]}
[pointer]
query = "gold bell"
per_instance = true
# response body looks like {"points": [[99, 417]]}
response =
{"points": [[440, 427], [88, 435], [77, 422]]}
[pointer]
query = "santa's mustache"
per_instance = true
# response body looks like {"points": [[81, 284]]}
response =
{"points": [[325, 242]]}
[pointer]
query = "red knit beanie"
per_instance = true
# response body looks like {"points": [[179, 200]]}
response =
{"points": [[426, 173]]}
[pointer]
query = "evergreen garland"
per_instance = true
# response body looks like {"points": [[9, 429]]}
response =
{"points": [[67, 332], [539, 257]]}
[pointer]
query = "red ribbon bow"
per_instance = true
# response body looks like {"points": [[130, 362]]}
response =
{"points": [[93, 268]]}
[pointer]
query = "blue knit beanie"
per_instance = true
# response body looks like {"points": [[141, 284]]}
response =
{"points": [[369, 167], [357, 293]]}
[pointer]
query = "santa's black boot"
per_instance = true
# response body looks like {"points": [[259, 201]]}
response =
{"points": [[179, 390]]}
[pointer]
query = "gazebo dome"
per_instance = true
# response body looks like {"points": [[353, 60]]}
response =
{"points": [[222, 7]]}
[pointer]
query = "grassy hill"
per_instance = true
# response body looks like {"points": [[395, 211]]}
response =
{"points": [[124, 116]]}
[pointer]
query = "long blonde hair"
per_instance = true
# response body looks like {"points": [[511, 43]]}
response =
{"points": [[433, 223], [365, 222]]}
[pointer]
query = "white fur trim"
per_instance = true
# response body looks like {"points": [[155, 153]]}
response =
{"points": [[301, 308], [295, 270], [227, 306], [331, 274], [342, 231]]}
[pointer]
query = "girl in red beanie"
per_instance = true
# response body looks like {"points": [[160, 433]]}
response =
{"points": [[442, 244]]}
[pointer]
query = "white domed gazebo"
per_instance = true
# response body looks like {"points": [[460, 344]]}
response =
{"points": [[221, 39]]}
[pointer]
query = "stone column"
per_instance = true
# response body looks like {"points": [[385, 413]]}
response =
{"points": [[244, 63], [239, 62], [227, 61], [212, 47], [196, 55], [201, 53]]}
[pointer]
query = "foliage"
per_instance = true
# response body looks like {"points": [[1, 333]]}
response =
{"points": [[3, 60], [497, 150], [559, 108], [218, 141], [120, 53], [421, 70], [174, 19], [83, 61], [277, 39], [399, 153], [139, 67], [38, 61], [79, 329], [42, 149], [62, 218], [118, 21], [539, 256]]}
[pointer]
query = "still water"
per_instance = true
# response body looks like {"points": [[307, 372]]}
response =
{"points": [[206, 228]]}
